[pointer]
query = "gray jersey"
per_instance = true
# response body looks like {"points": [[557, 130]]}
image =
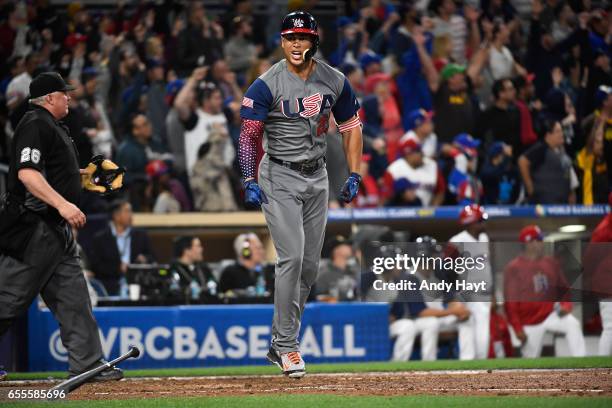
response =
{"points": [[295, 112]]}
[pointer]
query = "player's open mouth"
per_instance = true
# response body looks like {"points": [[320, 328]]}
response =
{"points": [[296, 55]]}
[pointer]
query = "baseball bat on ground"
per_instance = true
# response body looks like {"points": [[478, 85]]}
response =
{"points": [[75, 382]]}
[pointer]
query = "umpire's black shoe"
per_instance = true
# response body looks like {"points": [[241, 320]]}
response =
{"points": [[110, 374]]}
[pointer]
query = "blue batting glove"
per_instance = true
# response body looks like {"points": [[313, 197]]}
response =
{"points": [[253, 195], [350, 188]]}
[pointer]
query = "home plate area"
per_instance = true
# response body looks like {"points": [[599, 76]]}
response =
{"points": [[585, 382]]}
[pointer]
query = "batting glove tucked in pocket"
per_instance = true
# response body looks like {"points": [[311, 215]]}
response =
{"points": [[350, 188], [253, 195]]}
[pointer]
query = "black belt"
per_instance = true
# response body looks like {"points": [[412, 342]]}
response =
{"points": [[304, 167]]}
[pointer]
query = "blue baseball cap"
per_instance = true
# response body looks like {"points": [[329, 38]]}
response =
{"points": [[128, 93], [347, 68], [417, 117], [88, 74], [343, 21], [175, 86], [369, 58], [152, 63], [466, 140], [495, 149]]}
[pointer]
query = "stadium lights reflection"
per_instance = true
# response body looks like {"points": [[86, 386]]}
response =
{"points": [[573, 228]]}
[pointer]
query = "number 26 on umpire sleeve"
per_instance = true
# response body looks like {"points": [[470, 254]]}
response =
{"points": [[28, 154]]}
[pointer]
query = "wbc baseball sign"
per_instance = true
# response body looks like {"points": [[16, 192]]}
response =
{"points": [[196, 336], [163, 343]]}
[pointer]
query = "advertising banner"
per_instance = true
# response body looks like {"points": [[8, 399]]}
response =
{"points": [[212, 335]]}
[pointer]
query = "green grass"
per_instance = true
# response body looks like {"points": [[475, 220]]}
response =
{"points": [[319, 401], [510, 363]]}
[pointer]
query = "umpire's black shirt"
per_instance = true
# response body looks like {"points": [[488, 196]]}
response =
{"points": [[43, 144]]}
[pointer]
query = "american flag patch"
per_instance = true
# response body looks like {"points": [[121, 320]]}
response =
{"points": [[248, 102]]}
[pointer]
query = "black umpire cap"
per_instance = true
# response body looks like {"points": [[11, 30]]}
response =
{"points": [[46, 83]]}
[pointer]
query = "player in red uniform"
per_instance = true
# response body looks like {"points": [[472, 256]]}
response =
{"points": [[533, 288], [598, 277]]}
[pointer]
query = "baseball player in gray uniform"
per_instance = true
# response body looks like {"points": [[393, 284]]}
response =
{"points": [[290, 107]]}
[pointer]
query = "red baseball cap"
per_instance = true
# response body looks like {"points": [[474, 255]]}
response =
{"points": [[410, 146], [156, 168], [73, 39], [531, 233], [373, 80], [472, 213]]}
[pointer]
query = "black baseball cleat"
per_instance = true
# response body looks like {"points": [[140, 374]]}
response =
{"points": [[110, 374]]}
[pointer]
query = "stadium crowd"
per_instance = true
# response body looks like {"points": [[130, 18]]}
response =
{"points": [[491, 102]]}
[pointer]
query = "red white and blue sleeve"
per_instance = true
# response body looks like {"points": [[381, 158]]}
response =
{"points": [[256, 104], [346, 108]]}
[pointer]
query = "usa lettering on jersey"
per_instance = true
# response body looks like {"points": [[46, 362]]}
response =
{"points": [[308, 107]]}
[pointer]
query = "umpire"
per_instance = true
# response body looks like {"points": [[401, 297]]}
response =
{"points": [[38, 253]]}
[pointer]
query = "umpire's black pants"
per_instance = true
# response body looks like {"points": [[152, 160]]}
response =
{"points": [[51, 268]]}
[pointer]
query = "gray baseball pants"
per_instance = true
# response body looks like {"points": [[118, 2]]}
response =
{"points": [[296, 215]]}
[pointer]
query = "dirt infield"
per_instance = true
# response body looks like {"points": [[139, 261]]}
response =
{"points": [[580, 382]]}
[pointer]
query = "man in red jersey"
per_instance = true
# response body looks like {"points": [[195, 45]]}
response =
{"points": [[533, 288], [598, 274]]}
